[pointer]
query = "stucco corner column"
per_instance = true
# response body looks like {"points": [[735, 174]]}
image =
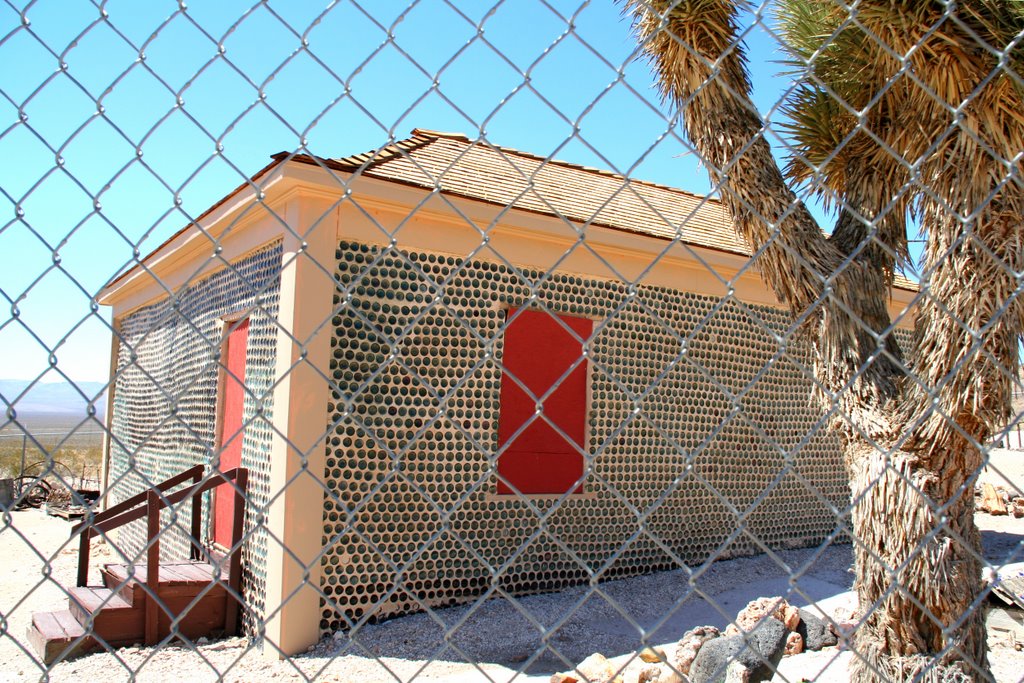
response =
{"points": [[294, 516]]}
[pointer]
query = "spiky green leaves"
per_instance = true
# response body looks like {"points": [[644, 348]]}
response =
{"points": [[899, 86]]}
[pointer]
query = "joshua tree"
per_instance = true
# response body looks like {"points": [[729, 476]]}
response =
{"points": [[907, 108]]}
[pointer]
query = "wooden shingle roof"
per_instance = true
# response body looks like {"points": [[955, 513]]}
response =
{"points": [[453, 164], [477, 169]]}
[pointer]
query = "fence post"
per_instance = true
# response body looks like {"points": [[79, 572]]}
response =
{"points": [[298, 459]]}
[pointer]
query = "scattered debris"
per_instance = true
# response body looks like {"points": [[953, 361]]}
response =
{"points": [[1008, 584], [1008, 623], [6, 493], [998, 500], [68, 512], [992, 501], [30, 492]]}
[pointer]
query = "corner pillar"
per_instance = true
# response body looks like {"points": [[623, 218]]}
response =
{"points": [[294, 516]]}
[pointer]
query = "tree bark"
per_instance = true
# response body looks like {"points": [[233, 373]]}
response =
{"points": [[919, 578], [918, 571]]}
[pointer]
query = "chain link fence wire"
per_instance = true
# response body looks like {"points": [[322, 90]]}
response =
{"points": [[524, 359]]}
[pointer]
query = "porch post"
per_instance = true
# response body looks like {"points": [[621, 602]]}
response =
{"points": [[295, 514]]}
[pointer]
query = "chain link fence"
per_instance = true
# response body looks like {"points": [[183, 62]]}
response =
{"points": [[535, 354]]}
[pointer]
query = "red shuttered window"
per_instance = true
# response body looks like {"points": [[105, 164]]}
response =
{"points": [[539, 352]]}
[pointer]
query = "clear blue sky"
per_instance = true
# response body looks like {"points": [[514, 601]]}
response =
{"points": [[117, 148]]}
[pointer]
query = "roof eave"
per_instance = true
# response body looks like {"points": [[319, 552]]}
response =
{"points": [[139, 264]]}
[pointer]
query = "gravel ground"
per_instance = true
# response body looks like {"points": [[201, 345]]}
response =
{"points": [[29, 541], [607, 619]]}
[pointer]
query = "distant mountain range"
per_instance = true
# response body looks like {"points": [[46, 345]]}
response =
{"points": [[52, 398]]}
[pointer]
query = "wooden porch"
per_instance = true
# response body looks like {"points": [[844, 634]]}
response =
{"points": [[152, 601]]}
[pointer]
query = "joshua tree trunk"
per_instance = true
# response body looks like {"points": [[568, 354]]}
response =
{"points": [[919, 578], [916, 574], [910, 428]]}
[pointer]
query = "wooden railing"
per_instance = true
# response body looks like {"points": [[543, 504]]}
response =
{"points": [[148, 504]]}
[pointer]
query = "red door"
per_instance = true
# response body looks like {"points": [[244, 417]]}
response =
{"points": [[232, 400]]}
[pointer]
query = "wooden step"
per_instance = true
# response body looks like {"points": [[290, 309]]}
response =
{"points": [[58, 636], [192, 594], [181, 585], [176, 578], [116, 577], [112, 619]]}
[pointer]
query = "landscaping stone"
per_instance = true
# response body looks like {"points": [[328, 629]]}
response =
{"points": [[737, 672], [792, 617], [564, 678], [594, 669], [655, 673], [816, 632], [741, 658], [756, 610], [794, 643], [648, 674], [652, 655], [689, 645]]}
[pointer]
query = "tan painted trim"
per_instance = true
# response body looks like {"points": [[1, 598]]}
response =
{"points": [[241, 225], [536, 241], [236, 215], [108, 418], [298, 448], [192, 256], [425, 220]]}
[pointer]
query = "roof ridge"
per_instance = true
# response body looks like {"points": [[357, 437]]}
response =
{"points": [[384, 153], [428, 133]]}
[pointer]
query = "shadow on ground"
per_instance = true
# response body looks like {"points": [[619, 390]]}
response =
{"points": [[1002, 547], [610, 618]]}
